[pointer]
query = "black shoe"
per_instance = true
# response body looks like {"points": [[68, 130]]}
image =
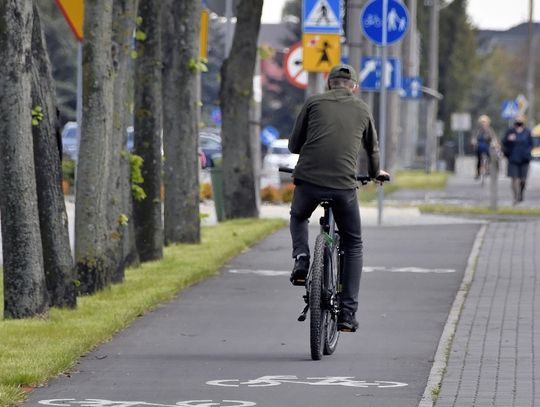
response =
{"points": [[347, 322], [300, 271]]}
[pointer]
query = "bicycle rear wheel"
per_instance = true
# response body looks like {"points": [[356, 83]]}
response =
{"points": [[331, 307], [316, 311]]}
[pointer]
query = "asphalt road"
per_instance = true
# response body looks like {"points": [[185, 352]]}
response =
{"points": [[218, 342]]}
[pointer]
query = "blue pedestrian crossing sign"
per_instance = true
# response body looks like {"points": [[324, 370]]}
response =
{"points": [[322, 16], [397, 21], [509, 109], [371, 74], [412, 87]]}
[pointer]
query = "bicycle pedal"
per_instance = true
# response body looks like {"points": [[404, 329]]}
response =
{"points": [[302, 316]]}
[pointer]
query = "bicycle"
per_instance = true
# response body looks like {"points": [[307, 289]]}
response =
{"points": [[484, 168], [323, 282]]}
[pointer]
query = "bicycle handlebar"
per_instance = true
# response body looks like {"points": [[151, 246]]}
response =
{"points": [[363, 179]]}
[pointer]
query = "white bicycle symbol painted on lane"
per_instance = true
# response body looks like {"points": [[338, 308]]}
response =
{"points": [[268, 381], [110, 403]]}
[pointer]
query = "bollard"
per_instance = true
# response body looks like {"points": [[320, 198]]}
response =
{"points": [[494, 179]]}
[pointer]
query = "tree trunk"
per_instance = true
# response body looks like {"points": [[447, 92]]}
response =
{"points": [[148, 125], [25, 291], [57, 258], [240, 197], [180, 38], [119, 209], [91, 229]]}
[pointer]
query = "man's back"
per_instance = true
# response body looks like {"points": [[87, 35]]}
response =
{"points": [[328, 135]]}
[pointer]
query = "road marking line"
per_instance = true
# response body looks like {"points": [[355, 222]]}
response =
{"points": [[366, 269], [270, 381]]}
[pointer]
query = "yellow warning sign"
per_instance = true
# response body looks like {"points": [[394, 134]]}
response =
{"points": [[321, 51], [73, 11], [203, 35]]}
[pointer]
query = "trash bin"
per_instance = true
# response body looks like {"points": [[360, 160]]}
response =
{"points": [[216, 176]]}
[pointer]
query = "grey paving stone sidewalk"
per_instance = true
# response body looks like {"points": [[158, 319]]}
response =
{"points": [[495, 356]]}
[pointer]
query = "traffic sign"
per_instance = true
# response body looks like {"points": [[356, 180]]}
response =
{"points": [[73, 11], [509, 109], [321, 51], [460, 121], [294, 68], [397, 21], [371, 73], [522, 103], [412, 87], [268, 135], [322, 16], [203, 34]]}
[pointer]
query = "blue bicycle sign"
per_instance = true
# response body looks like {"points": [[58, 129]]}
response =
{"points": [[373, 17]]}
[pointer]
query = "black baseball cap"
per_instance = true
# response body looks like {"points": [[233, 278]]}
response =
{"points": [[343, 71]]}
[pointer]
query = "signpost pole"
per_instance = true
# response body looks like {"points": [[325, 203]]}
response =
{"points": [[382, 107]]}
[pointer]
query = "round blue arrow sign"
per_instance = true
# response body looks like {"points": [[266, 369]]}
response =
{"points": [[397, 21]]}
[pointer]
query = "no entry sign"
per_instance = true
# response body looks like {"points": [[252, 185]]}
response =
{"points": [[294, 68]]}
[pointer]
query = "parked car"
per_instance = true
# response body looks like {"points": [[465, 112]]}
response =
{"points": [[210, 143], [278, 155], [70, 145]]}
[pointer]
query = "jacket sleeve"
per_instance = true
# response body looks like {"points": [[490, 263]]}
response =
{"points": [[299, 133], [371, 145]]}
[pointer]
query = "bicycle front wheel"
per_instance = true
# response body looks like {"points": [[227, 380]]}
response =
{"points": [[316, 311], [331, 308]]}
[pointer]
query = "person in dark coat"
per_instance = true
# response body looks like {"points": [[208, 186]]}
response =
{"points": [[517, 146]]}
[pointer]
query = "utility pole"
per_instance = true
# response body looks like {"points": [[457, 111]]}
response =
{"points": [[353, 34], [433, 84], [530, 65], [410, 110]]}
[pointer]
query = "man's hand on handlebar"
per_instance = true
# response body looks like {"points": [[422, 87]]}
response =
{"points": [[382, 177]]}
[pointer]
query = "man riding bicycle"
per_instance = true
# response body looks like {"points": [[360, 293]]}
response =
{"points": [[328, 134]]}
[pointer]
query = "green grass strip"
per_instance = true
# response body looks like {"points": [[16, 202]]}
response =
{"points": [[34, 350], [476, 210], [414, 179]]}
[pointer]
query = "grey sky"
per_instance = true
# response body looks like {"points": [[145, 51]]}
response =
{"points": [[485, 14]]}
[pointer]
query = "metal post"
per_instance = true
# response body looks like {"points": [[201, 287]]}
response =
{"points": [[494, 179], [382, 106], [433, 83], [530, 65], [229, 27], [78, 109]]}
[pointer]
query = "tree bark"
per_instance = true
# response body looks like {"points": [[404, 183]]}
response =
{"points": [[91, 228], [25, 291], [240, 197], [148, 125], [119, 208], [57, 257], [180, 38]]}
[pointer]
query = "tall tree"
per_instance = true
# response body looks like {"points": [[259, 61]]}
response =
{"points": [[180, 38], [58, 261], [457, 58], [119, 209], [91, 228], [25, 292], [240, 197], [147, 124]]}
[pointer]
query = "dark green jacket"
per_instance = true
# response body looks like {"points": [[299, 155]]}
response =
{"points": [[328, 134]]}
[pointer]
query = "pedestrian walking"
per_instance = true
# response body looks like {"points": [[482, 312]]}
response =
{"points": [[517, 146], [483, 140]]}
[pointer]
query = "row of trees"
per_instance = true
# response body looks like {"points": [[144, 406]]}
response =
{"points": [[159, 89]]}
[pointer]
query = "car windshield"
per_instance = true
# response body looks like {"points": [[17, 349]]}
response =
{"points": [[280, 150]]}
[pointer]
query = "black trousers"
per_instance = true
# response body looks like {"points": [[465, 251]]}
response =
{"points": [[347, 216]]}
